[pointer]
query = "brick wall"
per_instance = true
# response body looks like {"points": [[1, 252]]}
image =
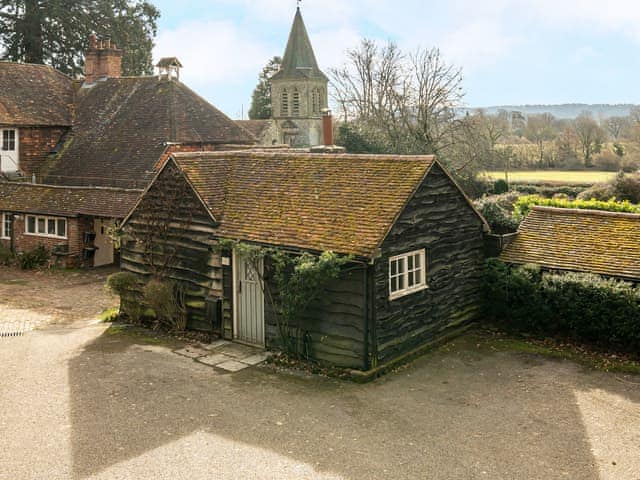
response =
{"points": [[35, 144]]}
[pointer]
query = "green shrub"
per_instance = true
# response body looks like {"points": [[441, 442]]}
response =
{"points": [[607, 161], [6, 256], [168, 302], [627, 187], [129, 288], [497, 214], [500, 186], [524, 204], [549, 190], [585, 307], [34, 258]]}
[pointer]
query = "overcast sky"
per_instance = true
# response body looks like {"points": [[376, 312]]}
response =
{"points": [[511, 51]]}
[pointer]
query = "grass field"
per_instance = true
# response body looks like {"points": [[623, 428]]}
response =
{"points": [[555, 176]]}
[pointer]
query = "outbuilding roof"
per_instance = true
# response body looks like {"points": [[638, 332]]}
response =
{"points": [[34, 95], [344, 203], [66, 201], [606, 243]]}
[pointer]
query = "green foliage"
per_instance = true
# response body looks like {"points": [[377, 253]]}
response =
{"points": [[354, 140], [549, 190], [582, 306], [34, 258], [618, 149], [56, 32], [500, 186], [6, 256], [261, 108], [524, 204], [497, 212], [167, 300], [128, 287]]}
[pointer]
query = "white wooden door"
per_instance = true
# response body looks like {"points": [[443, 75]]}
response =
{"points": [[9, 146], [103, 242], [250, 306]]}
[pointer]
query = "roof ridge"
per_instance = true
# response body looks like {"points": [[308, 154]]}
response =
{"points": [[585, 211], [70, 187]]}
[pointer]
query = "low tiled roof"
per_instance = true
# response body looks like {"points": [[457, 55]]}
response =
{"points": [[344, 203], [255, 127], [34, 95], [122, 128], [592, 241], [66, 201]]}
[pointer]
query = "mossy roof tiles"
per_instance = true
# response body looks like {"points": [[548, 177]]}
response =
{"points": [[66, 201], [34, 95], [344, 203], [606, 243]]}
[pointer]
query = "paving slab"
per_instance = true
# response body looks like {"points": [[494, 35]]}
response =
{"points": [[255, 359], [232, 366], [192, 351], [236, 350], [215, 359], [215, 344]]}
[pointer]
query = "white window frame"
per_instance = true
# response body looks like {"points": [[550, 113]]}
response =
{"points": [[4, 218], [421, 284], [5, 147], [46, 221]]}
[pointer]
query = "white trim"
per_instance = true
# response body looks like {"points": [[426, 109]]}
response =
{"points": [[421, 285], [46, 219]]}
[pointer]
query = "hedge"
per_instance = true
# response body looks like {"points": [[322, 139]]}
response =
{"points": [[524, 204], [585, 307]]}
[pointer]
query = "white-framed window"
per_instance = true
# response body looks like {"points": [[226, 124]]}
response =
{"points": [[407, 273], [46, 226], [5, 226], [9, 140]]}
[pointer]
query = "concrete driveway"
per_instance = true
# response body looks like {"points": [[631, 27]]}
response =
{"points": [[78, 401]]}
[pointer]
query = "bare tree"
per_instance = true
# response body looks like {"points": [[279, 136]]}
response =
{"points": [[539, 129], [615, 126], [590, 136], [406, 103]]}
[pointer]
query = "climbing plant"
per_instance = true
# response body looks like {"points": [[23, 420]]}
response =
{"points": [[299, 280]]}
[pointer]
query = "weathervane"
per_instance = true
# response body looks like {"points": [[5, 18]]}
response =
{"points": [[299, 1]]}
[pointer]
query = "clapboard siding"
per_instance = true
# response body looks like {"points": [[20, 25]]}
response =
{"points": [[194, 266], [335, 322], [439, 219]]}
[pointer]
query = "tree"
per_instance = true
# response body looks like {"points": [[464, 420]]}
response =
{"points": [[590, 136], [261, 98], [56, 32], [405, 103], [615, 126], [539, 129]]}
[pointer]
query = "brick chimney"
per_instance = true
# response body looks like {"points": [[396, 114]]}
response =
{"points": [[327, 136], [102, 60]]}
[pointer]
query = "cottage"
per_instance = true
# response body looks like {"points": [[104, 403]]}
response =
{"points": [[415, 241], [591, 241], [75, 223], [106, 131]]}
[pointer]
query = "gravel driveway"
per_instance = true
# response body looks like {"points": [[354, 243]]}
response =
{"points": [[81, 401]]}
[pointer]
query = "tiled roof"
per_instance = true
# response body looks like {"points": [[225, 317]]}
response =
{"points": [[34, 95], [255, 127], [122, 128], [605, 243], [345, 203], [66, 201]]}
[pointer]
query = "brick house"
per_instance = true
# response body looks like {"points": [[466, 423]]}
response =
{"points": [[107, 133]]}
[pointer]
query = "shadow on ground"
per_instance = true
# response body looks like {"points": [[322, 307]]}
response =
{"points": [[456, 414]]}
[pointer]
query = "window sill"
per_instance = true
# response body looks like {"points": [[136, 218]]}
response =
{"points": [[43, 235], [404, 293]]}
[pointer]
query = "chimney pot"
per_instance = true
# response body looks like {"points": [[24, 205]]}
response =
{"points": [[327, 127], [107, 43], [93, 41], [102, 60]]}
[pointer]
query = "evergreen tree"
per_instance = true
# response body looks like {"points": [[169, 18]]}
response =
{"points": [[56, 32], [261, 97]]}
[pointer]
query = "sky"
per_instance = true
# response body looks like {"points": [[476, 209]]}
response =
{"points": [[510, 51]]}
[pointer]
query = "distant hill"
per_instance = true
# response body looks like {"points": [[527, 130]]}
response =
{"points": [[568, 110]]}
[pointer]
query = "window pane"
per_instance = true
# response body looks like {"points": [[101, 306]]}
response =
{"points": [[41, 226], [417, 260], [411, 282], [62, 227], [51, 226], [394, 267], [418, 275], [31, 224], [394, 284], [410, 263], [401, 268], [401, 282]]}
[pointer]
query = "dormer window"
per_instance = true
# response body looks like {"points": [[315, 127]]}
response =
{"points": [[296, 103], [284, 104]]}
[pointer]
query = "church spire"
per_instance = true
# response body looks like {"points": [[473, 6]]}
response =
{"points": [[299, 60]]}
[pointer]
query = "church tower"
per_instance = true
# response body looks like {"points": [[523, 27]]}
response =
{"points": [[299, 91]]}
